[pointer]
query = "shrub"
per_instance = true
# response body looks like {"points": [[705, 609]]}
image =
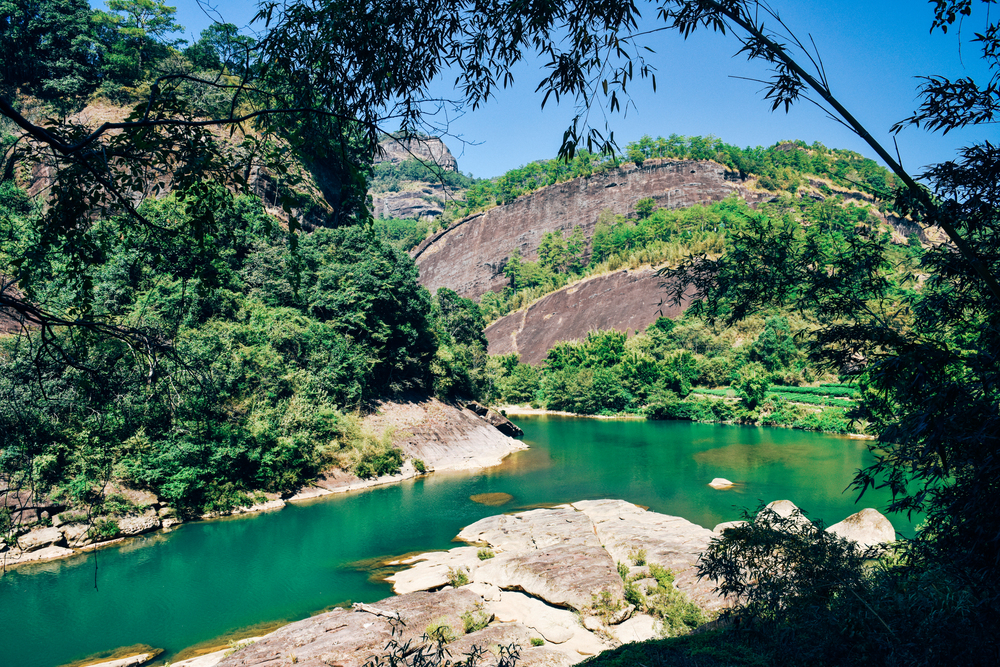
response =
{"points": [[104, 529], [638, 556], [485, 553], [622, 570], [440, 632], [458, 576], [537, 641], [475, 619], [605, 605], [420, 466]]}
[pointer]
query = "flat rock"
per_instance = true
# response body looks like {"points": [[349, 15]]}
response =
{"points": [[39, 539], [669, 541], [131, 660], [868, 528], [215, 657], [533, 530], [17, 557], [348, 637], [430, 570]]}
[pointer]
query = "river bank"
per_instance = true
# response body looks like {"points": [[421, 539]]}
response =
{"points": [[562, 584], [434, 437]]}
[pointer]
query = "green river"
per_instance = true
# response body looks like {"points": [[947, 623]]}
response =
{"points": [[208, 581]]}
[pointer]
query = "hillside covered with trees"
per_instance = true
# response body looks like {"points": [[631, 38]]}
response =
{"points": [[163, 330]]}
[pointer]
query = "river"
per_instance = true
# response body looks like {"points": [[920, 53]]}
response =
{"points": [[206, 581]]}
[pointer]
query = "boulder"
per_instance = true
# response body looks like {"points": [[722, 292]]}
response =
{"points": [[784, 509], [536, 547], [669, 541], [40, 538], [868, 528], [77, 534], [639, 628], [136, 525], [556, 626], [495, 419], [720, 483]]}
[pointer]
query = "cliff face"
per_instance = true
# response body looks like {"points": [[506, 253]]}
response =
{"points": [[470, 256], [414, 199], [625, 300], [425, 149]]}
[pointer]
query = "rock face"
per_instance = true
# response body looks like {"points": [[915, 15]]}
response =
{"points": [[470, 256], [539, 585], [628, 301], [425, 149], [868, 528], [444, 436]]}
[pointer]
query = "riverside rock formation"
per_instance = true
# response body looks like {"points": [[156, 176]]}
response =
{"points": [[546, 567], [469, 257], [628, 301]]}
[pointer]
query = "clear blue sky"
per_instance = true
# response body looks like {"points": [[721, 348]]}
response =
{"points": [[872, 50]]}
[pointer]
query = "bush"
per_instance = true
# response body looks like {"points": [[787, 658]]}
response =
{"points": [[419, 466], [485, 553], [458, 576], [537, 641], [476, 619]]}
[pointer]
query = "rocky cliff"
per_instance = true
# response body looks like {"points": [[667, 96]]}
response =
{"points": [[413, 199], [425, 149], [469, 257], [628, 301]]}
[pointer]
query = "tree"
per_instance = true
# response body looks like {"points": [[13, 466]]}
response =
{"points": [[143, 23]]}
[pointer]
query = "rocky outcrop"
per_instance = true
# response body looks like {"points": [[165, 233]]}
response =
{"points": [[426, 149], [495, 419], [469, 257], [417, 200], [627, 300], [540, 584]]}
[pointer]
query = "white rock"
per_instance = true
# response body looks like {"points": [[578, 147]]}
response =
{"points": [[557, 626], [867, 528], [125, 662], [16, 556], [488, 592], [720, 483], [639, 628], [786, 509], [38, 539], [430, 570]]}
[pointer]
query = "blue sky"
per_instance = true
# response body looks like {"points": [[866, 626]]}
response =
{"points": [[872, 51]]}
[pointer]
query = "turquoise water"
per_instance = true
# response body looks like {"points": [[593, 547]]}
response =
{"points": [[207, 580]]}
